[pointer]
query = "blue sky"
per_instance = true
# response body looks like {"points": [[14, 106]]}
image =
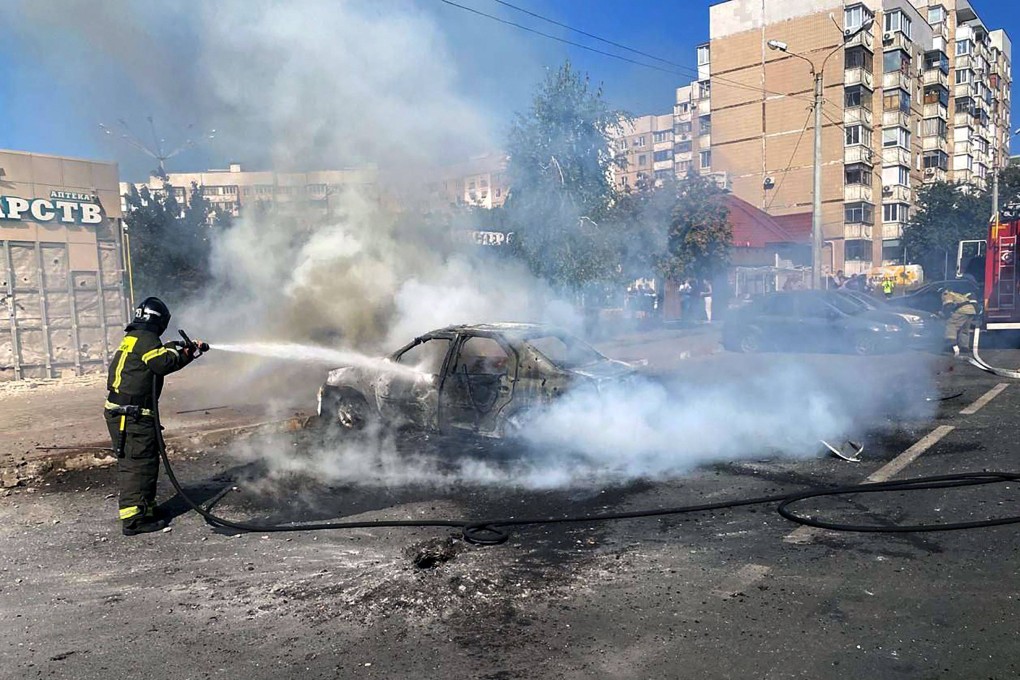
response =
{"points": [[54, 105]]}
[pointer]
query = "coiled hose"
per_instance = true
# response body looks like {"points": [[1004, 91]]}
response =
{"points": [[494, 531]]}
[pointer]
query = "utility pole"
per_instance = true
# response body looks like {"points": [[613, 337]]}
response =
{"points": [[816, 212], [819, 99]]}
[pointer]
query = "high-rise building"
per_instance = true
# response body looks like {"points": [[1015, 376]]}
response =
{"points": [[920, 93], [646, 142]]}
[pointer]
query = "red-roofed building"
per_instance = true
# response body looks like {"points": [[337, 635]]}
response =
{"points": [[758, 237]]}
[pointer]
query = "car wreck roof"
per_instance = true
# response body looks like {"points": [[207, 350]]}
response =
{"points": [[515, 328]]}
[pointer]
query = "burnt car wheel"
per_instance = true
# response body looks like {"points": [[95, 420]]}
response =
{"points": [[344, 410]]}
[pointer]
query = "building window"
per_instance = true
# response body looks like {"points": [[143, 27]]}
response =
{"points": [[936, 14], [230, 191], [858, 57], [858, 134], [857, 95], [663, 174], [858, 174], [499, 192], [896, 61], [704, 89], [704, 125], [703, 55], [965, 105], [661, 136], [642, 159], [893, 251], [854, 213], [857, 250], [640, 141], [683, 167], [936, 94], [896, 174], [895, 212], [934, 127], [706, 159], [936, 59], [683, 128], [663, 155], [964, 47], [935, 159], [897, 21], [683, 147], [855, 16], [896, 100], [896, 136]]}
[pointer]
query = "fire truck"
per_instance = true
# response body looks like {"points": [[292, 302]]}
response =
{"points": [[1001, 309]]}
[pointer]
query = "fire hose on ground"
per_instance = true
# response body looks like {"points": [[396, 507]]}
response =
{"points": [[495, 531]]}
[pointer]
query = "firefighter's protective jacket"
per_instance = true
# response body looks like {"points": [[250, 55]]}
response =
{"points": [[139, 361], [957, 302]]}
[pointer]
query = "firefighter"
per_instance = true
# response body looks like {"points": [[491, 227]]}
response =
{"points": [[959, 309], [139, 363]]}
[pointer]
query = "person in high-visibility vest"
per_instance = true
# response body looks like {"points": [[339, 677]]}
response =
{"points": [[140, 363], [888, 286]]}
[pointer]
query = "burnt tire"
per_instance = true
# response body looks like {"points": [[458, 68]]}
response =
{"points": [[343, 410]]}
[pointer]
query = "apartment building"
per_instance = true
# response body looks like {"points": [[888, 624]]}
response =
{"points": [[920, 93], [646, 143], [234, 188], [479, 181]]}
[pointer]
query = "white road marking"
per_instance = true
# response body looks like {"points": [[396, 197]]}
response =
{"points": [[745, 577], [805, 534], [984, 399]]}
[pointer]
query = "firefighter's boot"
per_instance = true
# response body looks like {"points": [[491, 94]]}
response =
{"points": [[142, 525]]}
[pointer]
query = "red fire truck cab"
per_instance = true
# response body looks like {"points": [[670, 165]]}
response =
{"points": [[1001, 310]]}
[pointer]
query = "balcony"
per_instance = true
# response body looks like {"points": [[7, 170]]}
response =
{"points": [[962, 90], [892, 230], [858, 76], [963, 119], [935, 76], [896, 118], [935, 175], [704, 106], [896, 155], [963, 61], [858, 153], [855, 193], [853, 267], [934, 143], [682, 115], [857, 114], [936, 111], [896, 193], [704, 140], [896, 40], [898, 79], [857, 231], [865, 39]]}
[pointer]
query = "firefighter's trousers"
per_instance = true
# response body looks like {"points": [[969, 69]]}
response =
{"points": [[138, 470], [961, 318]]}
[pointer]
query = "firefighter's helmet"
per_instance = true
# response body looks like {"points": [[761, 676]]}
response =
{"points": [[152, 313]]}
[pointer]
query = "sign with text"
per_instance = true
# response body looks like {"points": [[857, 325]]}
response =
{"points": [[67, 207]]}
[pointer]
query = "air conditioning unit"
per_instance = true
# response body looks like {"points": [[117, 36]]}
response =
{"points": [[887, 190], [929, 172], [848, 32], [887, 37]]}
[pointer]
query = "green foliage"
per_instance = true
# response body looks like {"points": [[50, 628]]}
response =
{"points": [[947, 213], [700, 236], [170, 241], [559, 168]]}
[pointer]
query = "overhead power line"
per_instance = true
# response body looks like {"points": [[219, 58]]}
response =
{"points": [[789, 164], [684, 71]]}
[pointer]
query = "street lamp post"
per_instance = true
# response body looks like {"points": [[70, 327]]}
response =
{"points": [[816, 211]]}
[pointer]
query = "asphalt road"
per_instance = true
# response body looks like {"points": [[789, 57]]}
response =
{"points": [[729, 594]]}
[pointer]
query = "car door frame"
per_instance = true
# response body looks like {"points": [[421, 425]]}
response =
{"points": [[487, 422], [417, 397]]}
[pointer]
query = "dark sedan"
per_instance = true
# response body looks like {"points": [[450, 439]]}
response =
{"points": [[812, 320], [928, 297], [923, 328]]}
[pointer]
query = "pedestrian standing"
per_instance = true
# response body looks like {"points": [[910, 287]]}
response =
{"points": [[706, 295], [888, 286]]}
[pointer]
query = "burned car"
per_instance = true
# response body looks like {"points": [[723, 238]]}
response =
{"points": [[483, 379]]}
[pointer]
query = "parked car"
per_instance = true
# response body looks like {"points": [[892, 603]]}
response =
{"points": [[928, 297], [923, 328], [482, 379], [812, 320]]}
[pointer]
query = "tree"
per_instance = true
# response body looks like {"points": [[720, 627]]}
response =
{"points": [[560, 170], [699, 237], [170, 241], [947, 213]]}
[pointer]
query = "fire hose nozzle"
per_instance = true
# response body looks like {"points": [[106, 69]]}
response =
{"points": [[200, 346]]}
